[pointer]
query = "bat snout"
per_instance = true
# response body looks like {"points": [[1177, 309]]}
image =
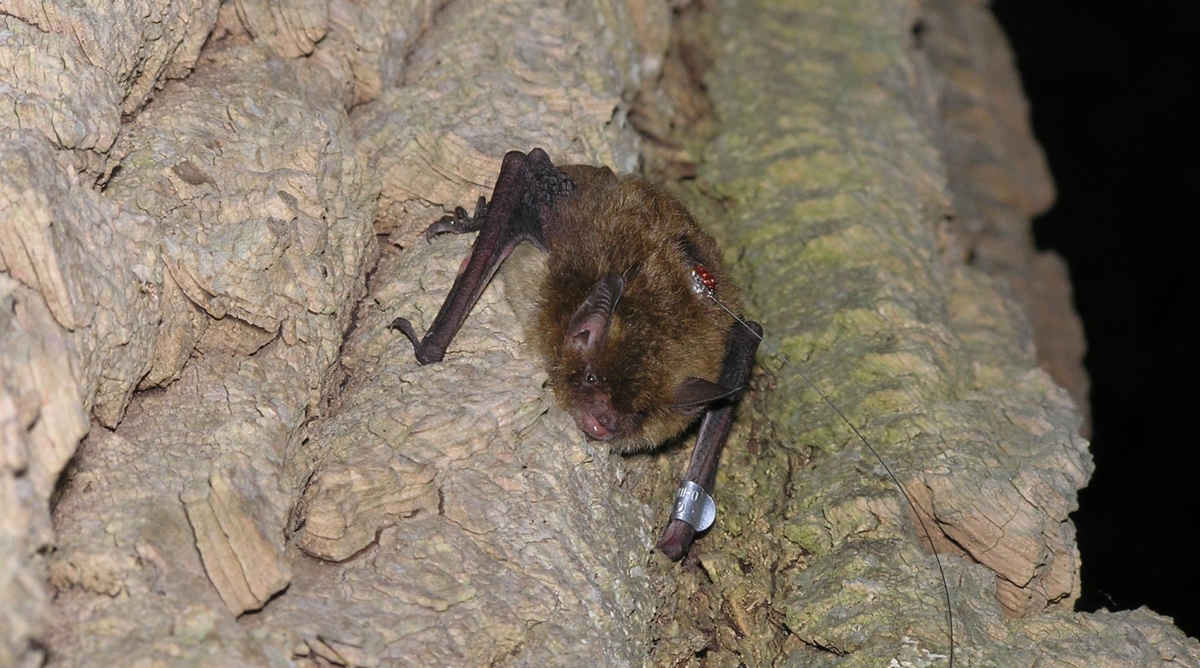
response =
{"points": [[590, 404], [597, 418]]}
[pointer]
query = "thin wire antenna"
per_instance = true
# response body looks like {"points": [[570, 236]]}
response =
{"points": [[929, 537]]}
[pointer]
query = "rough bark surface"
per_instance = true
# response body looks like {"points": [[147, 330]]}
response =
{"points": [[213, 451], [999, 179]]}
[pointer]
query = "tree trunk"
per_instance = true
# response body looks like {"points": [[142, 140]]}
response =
{"points": [[216, 452]]}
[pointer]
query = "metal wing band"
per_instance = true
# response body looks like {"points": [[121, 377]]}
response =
{"points": [[694, 506]]}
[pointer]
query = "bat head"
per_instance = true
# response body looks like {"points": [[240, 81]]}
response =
{"points": [[589, 388], [618, 387], [626, 339]]}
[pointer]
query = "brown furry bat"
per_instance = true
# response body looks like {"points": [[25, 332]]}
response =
{"points": [[626, 312]]}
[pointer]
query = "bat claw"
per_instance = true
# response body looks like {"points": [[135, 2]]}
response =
{"points": [[423, 353], [443, 225], [405, 327]]}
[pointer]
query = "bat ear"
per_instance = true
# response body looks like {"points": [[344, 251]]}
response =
{"points": [[695, 394], [589, 325]]}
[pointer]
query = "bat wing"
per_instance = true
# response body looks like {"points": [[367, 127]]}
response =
{"points": [[740, 348], [522, 205]]}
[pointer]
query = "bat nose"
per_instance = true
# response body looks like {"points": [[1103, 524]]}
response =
{"points": [[592, 427]]}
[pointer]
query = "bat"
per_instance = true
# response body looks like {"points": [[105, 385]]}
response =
{"points": [[634, 314]]}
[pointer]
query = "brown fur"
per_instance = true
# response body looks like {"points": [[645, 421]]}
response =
{"points": [[661, 332]]}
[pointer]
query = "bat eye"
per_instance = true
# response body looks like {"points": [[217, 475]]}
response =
{"points": [[591, 378]]}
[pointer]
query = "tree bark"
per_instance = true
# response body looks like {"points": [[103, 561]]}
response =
{"points": [[215, 452]]}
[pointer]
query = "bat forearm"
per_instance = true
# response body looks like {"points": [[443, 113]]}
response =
{"points": [[702, 470], [523, 201], [468, 286], [714, 431]]}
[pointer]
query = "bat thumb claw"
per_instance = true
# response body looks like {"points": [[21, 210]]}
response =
{"points": [[425, 354], [405, 327]]}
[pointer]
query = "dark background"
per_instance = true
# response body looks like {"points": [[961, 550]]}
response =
{"points": [[1115, 90]]}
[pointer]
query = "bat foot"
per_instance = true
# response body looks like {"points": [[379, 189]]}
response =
{"points": [[460, 222]]}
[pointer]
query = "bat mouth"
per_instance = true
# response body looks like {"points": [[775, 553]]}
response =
{"points": [[592, 426]]}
